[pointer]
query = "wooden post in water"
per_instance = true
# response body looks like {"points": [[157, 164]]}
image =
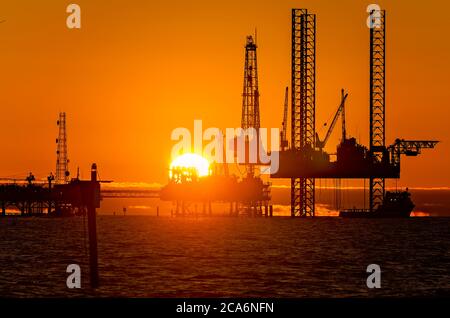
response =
{"points": [[92, 228], [50, 178]]}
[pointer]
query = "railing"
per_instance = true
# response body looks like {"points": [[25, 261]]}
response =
{"points": [[356, 210], [130, 193]]}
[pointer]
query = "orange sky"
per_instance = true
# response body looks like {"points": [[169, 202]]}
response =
{"points": [[138, 69]]}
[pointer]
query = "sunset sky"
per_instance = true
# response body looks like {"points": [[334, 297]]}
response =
{"points": [[138, 69]]}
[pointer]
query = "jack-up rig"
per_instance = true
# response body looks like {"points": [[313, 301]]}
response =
{"points": [[305, 160]]}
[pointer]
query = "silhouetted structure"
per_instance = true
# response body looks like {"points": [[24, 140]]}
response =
{"points": [[306, 160], [377, 105], [32, 198], [62, 160], [250, 95], [303, 105], [130, 193], [284, 144], [246, 196], [320, 144], [251, 120]]}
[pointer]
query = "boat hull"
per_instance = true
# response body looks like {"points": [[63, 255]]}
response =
{"points": [[395, 205], [378, 214]]}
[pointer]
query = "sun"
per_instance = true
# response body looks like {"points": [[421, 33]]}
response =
{"points": [[192, 160]]}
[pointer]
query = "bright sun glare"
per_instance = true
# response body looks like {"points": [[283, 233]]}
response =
{"points": [[192, 160]]}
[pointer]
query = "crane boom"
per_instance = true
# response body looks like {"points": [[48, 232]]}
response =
{"points": [[283, 133], [344, 131], [409, 148], [341, 110]]}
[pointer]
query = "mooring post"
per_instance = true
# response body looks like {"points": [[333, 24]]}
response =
{"points": [[50, 178], [92, 228]]}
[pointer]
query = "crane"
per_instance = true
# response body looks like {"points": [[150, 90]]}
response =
{"points": [[283, 133], [410, 148], [340, 111]]}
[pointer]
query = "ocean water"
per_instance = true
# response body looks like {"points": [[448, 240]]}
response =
{"points": [[148, 256]]}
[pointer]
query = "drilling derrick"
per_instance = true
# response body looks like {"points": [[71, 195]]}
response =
{"points": [[250, 96], [377, 103], [62, 162], [303, 105]]}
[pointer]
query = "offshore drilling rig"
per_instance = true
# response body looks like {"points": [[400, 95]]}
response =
{"points": [[251, 120], [250, 95], [248, 195], [305, 160]]}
